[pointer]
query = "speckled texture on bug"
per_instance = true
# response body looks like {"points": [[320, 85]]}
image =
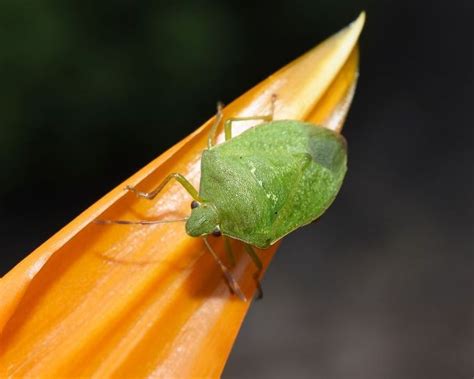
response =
{"points": [[271, 179]]}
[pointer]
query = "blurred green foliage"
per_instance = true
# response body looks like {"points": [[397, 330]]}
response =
{"points": [[75, 75], [90, 91]]}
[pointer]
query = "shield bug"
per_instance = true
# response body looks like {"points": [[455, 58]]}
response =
{"points": [[260, 185]]}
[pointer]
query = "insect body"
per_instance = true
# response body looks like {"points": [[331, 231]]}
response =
{"points": [[268, 181], [261, 185]]}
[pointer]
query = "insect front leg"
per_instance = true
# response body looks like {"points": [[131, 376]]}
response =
{"points": [[151, 195], [256, 260], [178, 177]]}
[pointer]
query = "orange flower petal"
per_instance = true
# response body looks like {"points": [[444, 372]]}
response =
{"points": [[122, 301]]}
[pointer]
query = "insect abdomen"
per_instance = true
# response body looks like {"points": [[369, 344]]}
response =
{"points": [[320, 179]]}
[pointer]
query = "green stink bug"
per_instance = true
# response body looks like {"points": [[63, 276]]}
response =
{"points": [[260, 185]]}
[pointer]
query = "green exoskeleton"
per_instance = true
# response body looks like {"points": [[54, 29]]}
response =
{"points": [[262, 184]]}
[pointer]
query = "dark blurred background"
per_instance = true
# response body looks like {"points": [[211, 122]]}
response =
{"points": [[382, 286]]}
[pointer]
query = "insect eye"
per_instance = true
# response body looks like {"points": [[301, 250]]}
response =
{"points": [[194, 204], [216, 232]]}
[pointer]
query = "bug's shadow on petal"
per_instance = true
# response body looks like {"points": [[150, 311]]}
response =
{"points": [[129, 228], [204, 279], [168, 215]]}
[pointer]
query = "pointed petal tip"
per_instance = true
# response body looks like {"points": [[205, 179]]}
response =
{"points": [[358, 23]]}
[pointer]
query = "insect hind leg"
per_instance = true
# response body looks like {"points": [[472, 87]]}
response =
{"points": [[211, 140], [267, 118]]}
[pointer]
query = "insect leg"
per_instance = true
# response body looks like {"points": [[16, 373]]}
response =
{"points": [[251, 252], [212, 134], [228, 250], [268, 117], [178, 177], [228, 123], [231, 281]]}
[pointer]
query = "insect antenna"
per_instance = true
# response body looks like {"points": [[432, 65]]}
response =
{"points": [[138, 222], [231, 281]]}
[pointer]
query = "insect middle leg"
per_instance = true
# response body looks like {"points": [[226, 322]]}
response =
{"points": [[231, 281], [178, 177], [256, 260], [229, 251], [253, 255]]}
